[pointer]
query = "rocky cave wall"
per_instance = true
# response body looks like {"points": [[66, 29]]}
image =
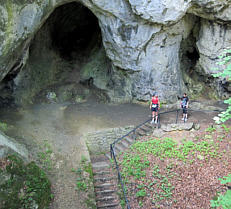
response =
{"points": [[68, 41], [164, 46]]}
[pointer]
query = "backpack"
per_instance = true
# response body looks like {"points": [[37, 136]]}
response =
{"points": [[184, 102]]}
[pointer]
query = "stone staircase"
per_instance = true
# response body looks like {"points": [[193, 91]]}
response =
{"points": [[125, 143], [105, 183], [105, 176]]}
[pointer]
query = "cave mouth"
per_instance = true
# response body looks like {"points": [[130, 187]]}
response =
{"points": [[62, 55], [189, 56], [74, 30]]}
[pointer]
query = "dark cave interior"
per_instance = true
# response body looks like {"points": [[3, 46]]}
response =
{"points": [[193, 55], [74, 29]]}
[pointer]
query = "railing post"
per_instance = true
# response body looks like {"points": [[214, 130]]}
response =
{"points": [[133, 134], [177, 112], [111, 150], [158, 121]]}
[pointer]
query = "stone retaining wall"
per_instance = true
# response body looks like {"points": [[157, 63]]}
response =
{"points": [[100, 141]]}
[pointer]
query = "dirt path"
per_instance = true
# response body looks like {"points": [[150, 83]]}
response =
{"points": [[62, 125]]}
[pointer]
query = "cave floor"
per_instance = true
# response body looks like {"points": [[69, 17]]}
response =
{"points": [[62, 125]]}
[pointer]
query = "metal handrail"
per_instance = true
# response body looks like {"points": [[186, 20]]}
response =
{"points": [[114, 156], [133, 131], [119, 177]]}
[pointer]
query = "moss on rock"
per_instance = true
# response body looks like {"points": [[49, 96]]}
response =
{"points": [[23, 185]]}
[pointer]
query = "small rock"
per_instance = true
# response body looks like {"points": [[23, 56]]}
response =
{"points": [[178, 126], [197, 126]]}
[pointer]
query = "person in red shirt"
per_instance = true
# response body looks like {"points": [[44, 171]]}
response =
{"points": [[154, 106]]}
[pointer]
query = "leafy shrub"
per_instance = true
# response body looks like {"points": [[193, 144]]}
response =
{"points": [[223, 200], [225, 61], [27, 187]]}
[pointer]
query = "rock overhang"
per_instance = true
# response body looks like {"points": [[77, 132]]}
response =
{"points": [[136, 38]]}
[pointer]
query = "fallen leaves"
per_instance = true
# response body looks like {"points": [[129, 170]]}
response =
{"points": [[194, 183]]}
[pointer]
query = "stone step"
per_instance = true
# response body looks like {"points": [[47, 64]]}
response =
{"points": [[140, 132], [101, 173], [103, 179], [148, 125], [125, 143], [129, 139], [108, 156], [105, 186], [106, 198], [108, 206], [145, 128], [100, 165], [105, 192], [120, 147], [100, 176]]}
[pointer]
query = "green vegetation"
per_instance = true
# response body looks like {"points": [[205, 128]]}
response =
{"points": [[168, 148], [225, 62], [135, 165], [227, 129], [223, 201], [149, 166], [45, 156], [210, 129], [26, 186], [84, 181], [3, 126]]}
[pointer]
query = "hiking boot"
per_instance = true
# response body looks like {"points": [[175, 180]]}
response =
{"points": [[152, 121], [186, 119], [155, 121], [182, 119]]}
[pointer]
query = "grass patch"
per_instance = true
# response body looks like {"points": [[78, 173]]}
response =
{"points": [[168, 148], [84, 182], [45, 156]]}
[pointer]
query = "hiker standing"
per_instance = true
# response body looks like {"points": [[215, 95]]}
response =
{"points": [[184, 106], [154, 106]]}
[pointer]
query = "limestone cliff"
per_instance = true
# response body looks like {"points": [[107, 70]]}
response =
{"points": [[152, 45]]}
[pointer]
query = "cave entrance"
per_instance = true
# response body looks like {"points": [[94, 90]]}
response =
{"points": [[61, 57], [74, 31], [189, 56], [192, 74]]}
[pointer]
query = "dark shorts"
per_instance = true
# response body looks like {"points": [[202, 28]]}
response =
{"points": [[185, 110], [154, 109]]}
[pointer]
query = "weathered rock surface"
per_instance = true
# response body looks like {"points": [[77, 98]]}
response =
{"points": [[10, 146], [165, 46], [177, 126], [100, 141]]}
